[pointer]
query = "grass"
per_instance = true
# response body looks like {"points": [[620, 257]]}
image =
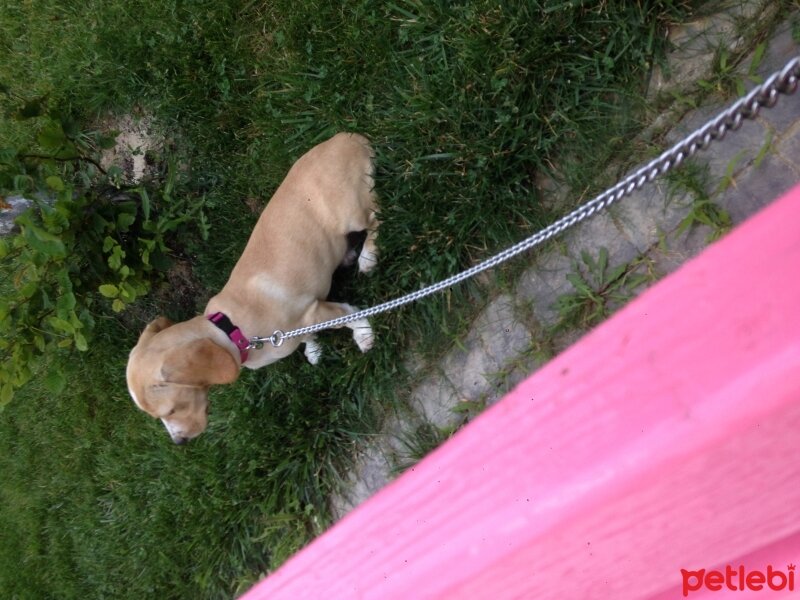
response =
{"points": [[465, 102], [418, 442]]}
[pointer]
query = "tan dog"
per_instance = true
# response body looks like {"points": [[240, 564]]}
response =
{"points": [[280, 282]]}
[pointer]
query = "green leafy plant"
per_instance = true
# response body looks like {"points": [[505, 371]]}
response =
{"points": [[597, 289], [705, 211], [84, 246], [694, 178], [727, 78]]}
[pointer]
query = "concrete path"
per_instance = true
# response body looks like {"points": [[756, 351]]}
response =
{"points": [[645, 237]]}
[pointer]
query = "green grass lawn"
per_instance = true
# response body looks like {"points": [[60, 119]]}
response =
{"points": [[466, 102]]}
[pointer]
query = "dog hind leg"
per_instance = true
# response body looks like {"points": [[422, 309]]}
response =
{"points": [[362, 330], [368, 259], [313, 350]]}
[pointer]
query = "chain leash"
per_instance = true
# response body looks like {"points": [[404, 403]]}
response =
{"points": [[747, 107]]}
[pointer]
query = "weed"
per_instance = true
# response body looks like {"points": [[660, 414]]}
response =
{"points": [[764, 150], [706, 212], [693, 177], [598, 289], [420, 442], [726, 77]]}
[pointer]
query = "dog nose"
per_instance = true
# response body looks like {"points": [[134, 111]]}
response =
{"points": [[180, 441]]}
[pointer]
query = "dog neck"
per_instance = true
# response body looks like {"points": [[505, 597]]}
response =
{"points": [[232, 332]]}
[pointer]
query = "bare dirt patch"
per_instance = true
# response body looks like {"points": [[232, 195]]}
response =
{"points": [[138, 145]]}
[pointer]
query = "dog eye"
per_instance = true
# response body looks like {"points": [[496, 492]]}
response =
{"points": [[170, 413]]}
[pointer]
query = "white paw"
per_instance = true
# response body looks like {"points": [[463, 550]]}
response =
{"points": [[313, 351], [367, 261], [362, 334]]}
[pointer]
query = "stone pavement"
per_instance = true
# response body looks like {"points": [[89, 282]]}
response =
{"points": [[648, 234]]}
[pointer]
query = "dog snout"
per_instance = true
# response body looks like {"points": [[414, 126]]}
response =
{"points": [[180, 441]]}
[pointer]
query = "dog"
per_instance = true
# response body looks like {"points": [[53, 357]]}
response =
{"points": [[280, 282]]}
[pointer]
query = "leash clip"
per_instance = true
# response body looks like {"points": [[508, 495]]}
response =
{"points": [[276, 339]]}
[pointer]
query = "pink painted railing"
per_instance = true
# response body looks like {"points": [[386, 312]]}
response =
{"points": [[667, 439]]}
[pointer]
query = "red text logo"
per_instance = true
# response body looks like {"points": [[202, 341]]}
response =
{"points": [[738, 580]]}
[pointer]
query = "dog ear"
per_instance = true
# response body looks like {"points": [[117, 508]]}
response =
{"points": [[201, 363], [153, 327]]}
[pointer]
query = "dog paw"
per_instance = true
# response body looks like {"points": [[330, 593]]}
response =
{"points": [[363, 335], [313, 351], [367, 261]]}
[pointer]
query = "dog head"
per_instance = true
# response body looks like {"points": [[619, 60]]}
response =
{"points": [[170, 370]]}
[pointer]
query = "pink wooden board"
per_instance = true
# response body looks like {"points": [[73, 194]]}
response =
{"points": [[667, 438]]}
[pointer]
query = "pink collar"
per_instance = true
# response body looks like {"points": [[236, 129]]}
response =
{"points": [[234, 333]]}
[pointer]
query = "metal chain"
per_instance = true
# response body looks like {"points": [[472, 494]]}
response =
{"points": [[747, 107]]}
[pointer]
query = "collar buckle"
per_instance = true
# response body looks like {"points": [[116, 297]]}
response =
{"points": [[234, 334]]}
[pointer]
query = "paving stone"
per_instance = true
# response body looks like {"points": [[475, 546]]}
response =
{"points": [[553, 270], [695, 44], [736, 152], [414, 365], [648, 212], [434, 400], [468, 370], [783, 115], [679, 248], [374, 465], [543, 283], [371, 472], [600, 231], [739, 203], [496, 337], [788, 147], [554, 193], [758, 187], [502, 334], [523, 368], [781, 47], [543, 304]]}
